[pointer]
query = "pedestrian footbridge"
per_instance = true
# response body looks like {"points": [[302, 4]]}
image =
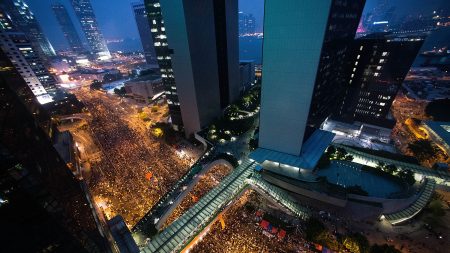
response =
{"points": [[182, 231]]}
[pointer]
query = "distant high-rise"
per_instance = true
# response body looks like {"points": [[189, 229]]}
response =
{"points": [[204, 38], [23, 54], [85, 13], [42, 201], [164, 58], [25, 21], [68, 28], [247, 23], [142, 21], [379, 65], [305, 53]]}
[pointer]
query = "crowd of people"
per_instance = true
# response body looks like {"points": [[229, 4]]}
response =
{"points": [[119, 179], [242, 232], [206, 183]]}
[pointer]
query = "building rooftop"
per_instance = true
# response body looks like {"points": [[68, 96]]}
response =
{"points": [[311, 152]]}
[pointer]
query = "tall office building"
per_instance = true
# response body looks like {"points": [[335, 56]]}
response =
{"points": [[142, 21], [42, 202], [25, 21], [164, 58], [305, 50], [68, 28], [22, 53], [204, 38], [85, 13], [380, 63], [247, 23]]}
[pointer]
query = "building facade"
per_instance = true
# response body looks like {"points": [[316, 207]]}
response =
{"points": [[23, 55], [25, 21], [380, 63], [204, 38], [246, 74], [85, 13], [304, 54], [143, 25], [247, 24], [45, 202], [68, 28], [164, 59]]}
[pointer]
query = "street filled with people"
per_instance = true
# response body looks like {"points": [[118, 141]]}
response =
{"points": [[244, 229], [136, 167], [206, 183]]}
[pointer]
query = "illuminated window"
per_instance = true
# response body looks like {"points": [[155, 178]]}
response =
{"points": [[384, 53], [154, 22], [354, 69], [358, 56], [376, 74], [378, 67], [356, 63], [381, 60], [361, 48]]}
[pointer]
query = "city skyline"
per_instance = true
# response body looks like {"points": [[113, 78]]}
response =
{"points": [[329, 133], [125, 27]]}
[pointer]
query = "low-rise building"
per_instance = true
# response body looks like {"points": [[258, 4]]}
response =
{"points": [[143, 88]]}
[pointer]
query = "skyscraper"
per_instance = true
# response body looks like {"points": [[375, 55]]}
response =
{"points": [[380, 63], [305, 51], [247, 23], [25, 21], [142, 21], [22, 53], [69, 31], [164, 58], [45, 202], [85, 13], [204, 38]]}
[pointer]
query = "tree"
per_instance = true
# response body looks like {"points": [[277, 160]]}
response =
{"points": [[121, 92], [423, 149], [95, 85], [356, 243], [407, 176]]}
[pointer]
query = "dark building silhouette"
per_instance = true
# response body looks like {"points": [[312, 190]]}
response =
{"points": [[68, 28], [143, 25], [44, 207], [204, 38], [380, 63], [163, 54], [330, 84]]}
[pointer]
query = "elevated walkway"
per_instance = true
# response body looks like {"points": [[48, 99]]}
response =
{"points": [[412, 210], [440, 177], [184, 229]]}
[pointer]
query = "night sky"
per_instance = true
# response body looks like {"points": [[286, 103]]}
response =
{"points": [[116, 19]]}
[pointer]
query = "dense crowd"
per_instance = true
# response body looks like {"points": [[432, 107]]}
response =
{"points": [[206, 183], [119, 180], [242, 232]]}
